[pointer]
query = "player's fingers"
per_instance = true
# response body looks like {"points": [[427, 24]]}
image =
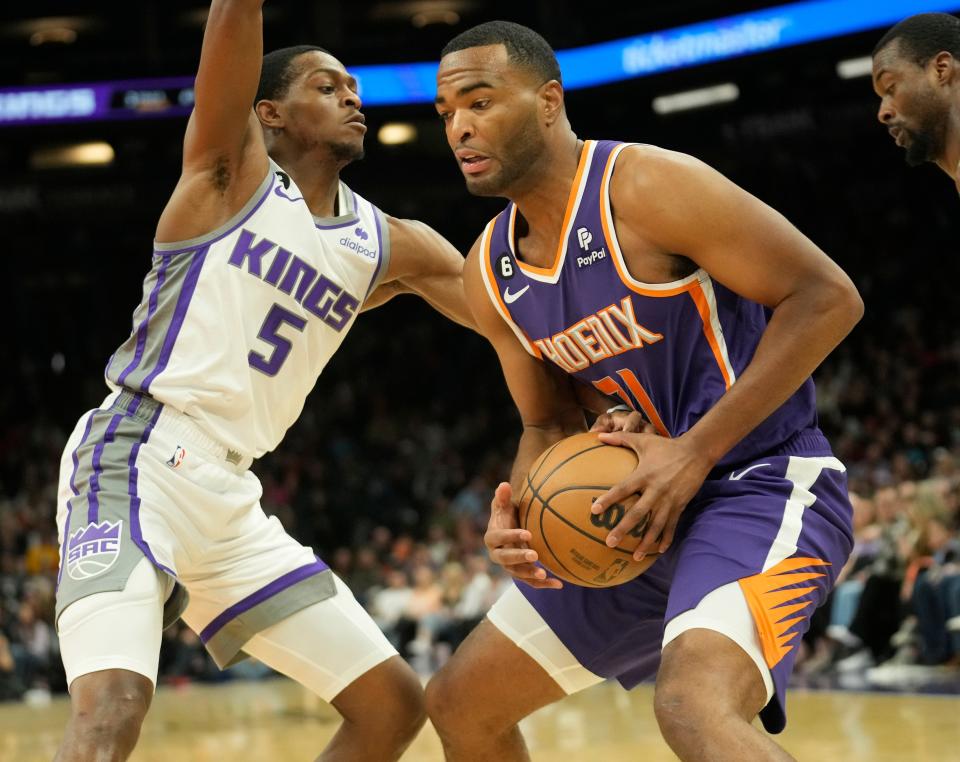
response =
{"points": [[634, 516], [651, 536], [634, 423], [550, 583], [604, 422], [617, 493], [498, 538], [513, 556], [502, 501], [669, 531]]}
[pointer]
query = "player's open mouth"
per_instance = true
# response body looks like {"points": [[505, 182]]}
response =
{"points": [[896, 133], [474, 163]]}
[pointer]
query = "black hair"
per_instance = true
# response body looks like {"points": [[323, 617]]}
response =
{"points": [[922, 36], [276, 73], [524, 46]]}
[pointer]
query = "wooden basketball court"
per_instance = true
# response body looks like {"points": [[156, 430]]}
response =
{"points": [[278, 720]]}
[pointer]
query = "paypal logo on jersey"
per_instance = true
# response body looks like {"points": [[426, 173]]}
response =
{"points": [[585, 237], [363, 251]]}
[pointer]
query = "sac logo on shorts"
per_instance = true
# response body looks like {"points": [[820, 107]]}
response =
{"points": [[93, 549]]}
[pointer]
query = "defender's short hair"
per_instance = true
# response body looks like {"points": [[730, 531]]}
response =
{"points": [[276, 72], [524, 46], [922, 36]]}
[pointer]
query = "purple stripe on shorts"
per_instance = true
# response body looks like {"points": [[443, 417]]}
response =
{"points": [[179, 313], [278, 585], [376, 272], [76, 493], [93, 501], [142, 330], [136, 531]]}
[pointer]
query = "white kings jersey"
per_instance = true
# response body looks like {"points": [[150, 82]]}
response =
{"points": [[235, 326]]}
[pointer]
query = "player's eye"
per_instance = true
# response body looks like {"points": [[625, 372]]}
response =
{"points": [[444, 116]]}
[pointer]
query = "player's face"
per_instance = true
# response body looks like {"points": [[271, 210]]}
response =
{"points": [[490, 115], [912, 107], [322, 107]]}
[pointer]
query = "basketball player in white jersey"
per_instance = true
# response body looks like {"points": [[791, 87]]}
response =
{"points": [[262, 262]]}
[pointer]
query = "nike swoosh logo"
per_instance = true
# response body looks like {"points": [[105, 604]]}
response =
{"points": [[511, 298], [747, 470]]}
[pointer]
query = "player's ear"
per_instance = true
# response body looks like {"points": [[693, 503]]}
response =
{"points": [[268, 114], [551, 101], [945, 67]]}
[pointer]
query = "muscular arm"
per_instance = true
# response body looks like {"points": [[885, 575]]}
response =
{"points": [[548, 406], [423, 262], [224, 157], [682, 206], [669, 204]]}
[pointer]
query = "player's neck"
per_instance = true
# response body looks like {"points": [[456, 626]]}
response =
{"points": [[317, 178], [950, 161], [542, 200]]}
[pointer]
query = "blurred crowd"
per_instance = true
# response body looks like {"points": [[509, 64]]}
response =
{"points": [[392, 487]]}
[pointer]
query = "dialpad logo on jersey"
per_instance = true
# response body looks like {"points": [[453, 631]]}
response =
{"points": [[363, 235], [177, 458], [585, 237], [93, 549]]}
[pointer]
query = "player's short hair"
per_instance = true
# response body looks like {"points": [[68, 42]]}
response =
{"points": [[276, 73], [922, 36], [524, 47]]}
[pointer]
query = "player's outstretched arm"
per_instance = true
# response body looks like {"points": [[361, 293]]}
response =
{"points": [[423, 262], [549, 410], [677, 204], [224, 156], [225, 87]]}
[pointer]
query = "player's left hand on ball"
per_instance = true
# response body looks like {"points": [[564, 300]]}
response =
{"points": [[622, 420], [667, 477], [507, 543]]}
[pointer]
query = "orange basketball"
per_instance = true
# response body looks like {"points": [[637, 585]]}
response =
{"points": [[554, 506]]}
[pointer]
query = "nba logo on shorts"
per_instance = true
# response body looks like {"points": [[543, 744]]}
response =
{"points": [[93, 549], [177, 458]]}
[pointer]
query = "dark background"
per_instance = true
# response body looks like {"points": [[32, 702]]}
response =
{"points": [[410, 425]]}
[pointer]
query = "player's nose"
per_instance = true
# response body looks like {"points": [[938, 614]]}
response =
{"points": [[353, 100], [461, 126], [886, 112]]}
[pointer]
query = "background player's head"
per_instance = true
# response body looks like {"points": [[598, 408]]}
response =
{"points": [[916, 73], [500, 97], [307, 100]]}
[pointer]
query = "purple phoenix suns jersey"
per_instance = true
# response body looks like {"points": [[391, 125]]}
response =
{"points": [[670, 350]]}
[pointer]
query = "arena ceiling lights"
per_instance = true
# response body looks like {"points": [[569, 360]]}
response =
{"points": [[588, 66]]}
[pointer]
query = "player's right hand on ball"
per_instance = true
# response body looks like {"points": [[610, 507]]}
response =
{"points": [[507, 543]]}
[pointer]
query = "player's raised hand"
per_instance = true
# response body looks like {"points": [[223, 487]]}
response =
{"points": [[507, 543], [667, 477], [622, 420]]}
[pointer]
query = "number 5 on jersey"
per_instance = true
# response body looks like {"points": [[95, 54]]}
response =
{"points": [[275, 319]]}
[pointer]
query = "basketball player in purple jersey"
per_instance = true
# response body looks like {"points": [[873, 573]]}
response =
{"points": [[650, 276], [916, 73], [262, 260]]}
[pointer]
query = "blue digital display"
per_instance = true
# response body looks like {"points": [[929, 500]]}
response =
{"points": [[589, 66]]}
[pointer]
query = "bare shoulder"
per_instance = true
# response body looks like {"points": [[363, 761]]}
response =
{"points": [[654, 170]]}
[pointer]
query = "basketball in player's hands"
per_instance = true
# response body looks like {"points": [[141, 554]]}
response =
{"points": [[554, 506]]}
